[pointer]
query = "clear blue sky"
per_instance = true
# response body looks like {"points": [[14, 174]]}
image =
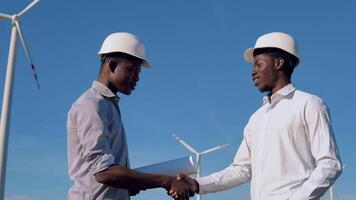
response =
{"points": [[199, 87]]}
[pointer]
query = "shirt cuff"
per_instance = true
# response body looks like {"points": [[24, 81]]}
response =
{"points": [[204, 184]]}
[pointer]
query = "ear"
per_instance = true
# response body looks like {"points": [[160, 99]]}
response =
{"points": [[279, 62], [112, 65]]}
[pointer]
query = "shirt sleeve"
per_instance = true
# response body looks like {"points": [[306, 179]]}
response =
{"points": [[237, 173], [324, 150], [93, 133]]}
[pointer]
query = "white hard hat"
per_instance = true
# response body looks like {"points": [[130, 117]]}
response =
{"points": [[276, 40], [124, 43]]}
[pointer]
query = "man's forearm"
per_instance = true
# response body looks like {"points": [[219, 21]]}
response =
{"points": [[118, 176], [230, 177]]}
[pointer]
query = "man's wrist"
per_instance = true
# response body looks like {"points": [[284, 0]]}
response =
{"points": [[196, 186], [166, 182]]}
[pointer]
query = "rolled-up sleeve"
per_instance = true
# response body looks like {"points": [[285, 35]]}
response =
{"points": [[324, 150], [92, 129]]}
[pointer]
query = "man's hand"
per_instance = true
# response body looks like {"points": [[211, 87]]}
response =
{"points": [[133, 192], [192, 183], [178, 190]]}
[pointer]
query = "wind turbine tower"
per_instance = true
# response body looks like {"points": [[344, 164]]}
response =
{"points": [[198, 154], [6, 104], [332, 188]]}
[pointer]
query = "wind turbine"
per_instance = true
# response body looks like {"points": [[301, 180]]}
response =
{"points": [[332, 188], [198, 154], [6, 106]]}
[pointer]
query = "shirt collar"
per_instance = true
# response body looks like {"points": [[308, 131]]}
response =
{"points": [[104, 91], [279, 95]]}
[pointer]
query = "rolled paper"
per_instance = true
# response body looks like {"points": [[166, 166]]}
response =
{"points": [[183, 165]]}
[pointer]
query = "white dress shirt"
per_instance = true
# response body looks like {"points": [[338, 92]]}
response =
{"points": [[96, 140], [288, 151]]}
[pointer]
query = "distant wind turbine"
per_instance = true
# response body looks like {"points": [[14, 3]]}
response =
{"points": [[332, 188], [5, 112], [198, 155]]}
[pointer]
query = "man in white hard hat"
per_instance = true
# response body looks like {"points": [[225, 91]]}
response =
{"points": [[98, 161], [288, 151]]}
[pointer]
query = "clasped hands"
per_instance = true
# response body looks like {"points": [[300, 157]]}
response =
{"points": [[183, 187]]}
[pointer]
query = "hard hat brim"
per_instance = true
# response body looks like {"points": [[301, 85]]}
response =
{"points": [[145, 62], [248, 55]]}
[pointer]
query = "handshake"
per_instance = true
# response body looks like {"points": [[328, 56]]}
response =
{"points": [[183, 187]]}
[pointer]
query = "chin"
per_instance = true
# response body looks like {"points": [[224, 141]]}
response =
{"points": [[264, 89], [127, 92], [130, 91]]}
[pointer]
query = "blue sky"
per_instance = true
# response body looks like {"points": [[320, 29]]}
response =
{"points": [[199, 87]]}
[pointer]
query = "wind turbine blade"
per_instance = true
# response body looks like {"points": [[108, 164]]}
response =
{"points": [[28, 7], [27, 52], [214, 149], [190, 148], [5, 16]]}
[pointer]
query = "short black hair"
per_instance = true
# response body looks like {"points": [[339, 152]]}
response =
{"points": [[290, 61], [119, 57]]}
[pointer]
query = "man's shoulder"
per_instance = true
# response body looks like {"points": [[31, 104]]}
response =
{"points": [[88, 100], [306, 97]]}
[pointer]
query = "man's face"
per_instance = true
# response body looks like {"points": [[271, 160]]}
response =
{"points": [[264, 73], [125, 76]]}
